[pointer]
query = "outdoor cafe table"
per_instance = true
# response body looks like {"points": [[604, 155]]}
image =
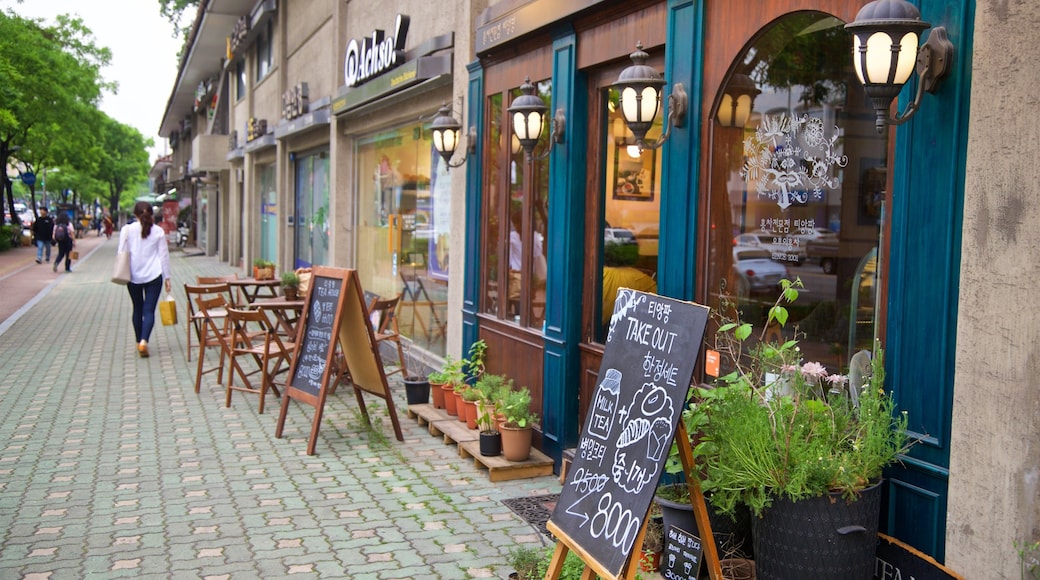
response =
{"points": [[251, 288], [286, 312]]}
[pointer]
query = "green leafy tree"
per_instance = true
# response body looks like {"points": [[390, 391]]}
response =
{"points": [[173, 10], [123, 165], [50, 86]]}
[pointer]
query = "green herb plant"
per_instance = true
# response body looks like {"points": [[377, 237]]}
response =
{"points": [[777, 427]]}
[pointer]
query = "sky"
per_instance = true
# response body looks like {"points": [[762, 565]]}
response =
{"points": [[144, 56]]}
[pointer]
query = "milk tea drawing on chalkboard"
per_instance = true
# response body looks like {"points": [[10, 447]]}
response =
{"points": [[651, 349]]}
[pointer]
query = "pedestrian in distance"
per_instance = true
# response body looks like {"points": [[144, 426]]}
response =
{"points": [[107, 224], [43, 232], [149, 269], [64, 236]]}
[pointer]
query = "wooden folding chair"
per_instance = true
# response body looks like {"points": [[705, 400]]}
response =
{"points": [[195, 322], [215, 334], [253, 335], [383, 314]]}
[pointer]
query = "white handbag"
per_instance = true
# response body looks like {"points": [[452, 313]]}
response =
{"points": [[121, 269]]}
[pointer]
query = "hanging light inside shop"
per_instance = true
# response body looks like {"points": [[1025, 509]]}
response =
{"points": [[884, 52], [639, 88], [528, 119], [446, 130]]}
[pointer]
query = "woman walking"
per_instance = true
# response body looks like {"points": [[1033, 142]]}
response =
{"points": [[149, 267]]}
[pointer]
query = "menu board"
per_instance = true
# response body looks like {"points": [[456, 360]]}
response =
{"points": [[682, 555], [652, 346], [318, 335]]}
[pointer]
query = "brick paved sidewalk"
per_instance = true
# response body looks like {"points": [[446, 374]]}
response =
{"points": [[111, 466]]}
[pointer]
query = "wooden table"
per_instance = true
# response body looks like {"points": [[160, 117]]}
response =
{"points": [[286, 313], [251, 288]]}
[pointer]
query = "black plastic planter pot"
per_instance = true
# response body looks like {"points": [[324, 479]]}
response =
{"points": [[824, 538], [490, 443], [416, 390], [732, 535]]}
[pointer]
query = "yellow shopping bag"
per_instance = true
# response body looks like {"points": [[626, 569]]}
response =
{"points": [[168, 310]]}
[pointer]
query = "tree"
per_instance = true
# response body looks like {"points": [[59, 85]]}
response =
{"points": [[124, 159], [50, 86], [173, 10]]}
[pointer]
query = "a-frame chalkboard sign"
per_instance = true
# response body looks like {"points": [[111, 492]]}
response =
{"points": [[651, 350], [334, 313]]}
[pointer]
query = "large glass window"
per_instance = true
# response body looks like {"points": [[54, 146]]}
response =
{"points": [[264, 52], [312, 222], [797, 181], [516, 214], [404, 222], [631, 201], [240, 80], [268, 214]]}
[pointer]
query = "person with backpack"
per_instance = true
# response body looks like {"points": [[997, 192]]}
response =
{"points": [[63, 237], [43, 232]]}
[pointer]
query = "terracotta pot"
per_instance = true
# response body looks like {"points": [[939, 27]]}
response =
{"points": [[450, 400], [650, 561], [471, 413], [437, 392], [291, 292], [516, 443]]}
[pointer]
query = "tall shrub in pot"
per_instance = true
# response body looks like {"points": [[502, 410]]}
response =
{"points": [[779, 433], [518, 429]]}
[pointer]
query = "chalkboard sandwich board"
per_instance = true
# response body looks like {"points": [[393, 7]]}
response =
{"points": [[652, 346], [334, 314]]}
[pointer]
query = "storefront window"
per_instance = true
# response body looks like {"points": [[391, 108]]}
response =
{"points": [[632, 209], [796, 185], [516, 219], [312, 209], [404, 220], [268, 214]]}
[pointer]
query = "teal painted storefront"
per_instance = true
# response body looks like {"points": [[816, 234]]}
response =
{"points": [[924, 236]]}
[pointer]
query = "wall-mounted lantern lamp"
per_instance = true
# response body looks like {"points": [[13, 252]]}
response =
{"points": [[737, 101], [528, 116], [639, 88], [885, 36], [446, 132]]}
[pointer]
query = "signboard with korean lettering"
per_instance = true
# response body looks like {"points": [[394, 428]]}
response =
{"points": [[652, 346]]}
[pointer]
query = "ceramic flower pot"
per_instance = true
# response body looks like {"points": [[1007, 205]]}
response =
{"points": [[516, 443], [437, 394], [471, 413], [450, 400]]}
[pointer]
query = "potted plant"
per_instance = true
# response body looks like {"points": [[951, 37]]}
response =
{"points": [[804, 452], [437, 381], [454, 376], [417, 385], [469, 396], [490, 388], [518, 429], [263, 269], [290, 285], [653, 543]]}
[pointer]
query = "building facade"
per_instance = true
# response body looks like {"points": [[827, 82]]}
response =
{"points": [[308, 126]]}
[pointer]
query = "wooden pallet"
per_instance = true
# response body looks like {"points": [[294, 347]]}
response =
{"points": [[499, 469], [441, 424]]}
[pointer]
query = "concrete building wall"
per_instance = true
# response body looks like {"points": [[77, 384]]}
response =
{"points": [[994, 498]]}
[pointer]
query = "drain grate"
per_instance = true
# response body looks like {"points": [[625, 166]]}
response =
{"points": [[535, 510]]}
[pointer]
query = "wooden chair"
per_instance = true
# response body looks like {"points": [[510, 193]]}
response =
{"points": [[207, 280], [215, 333], [383, 314], [252, 335], [195, 321]]}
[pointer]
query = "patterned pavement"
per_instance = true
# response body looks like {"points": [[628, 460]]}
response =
{"points": [[112, 467]]}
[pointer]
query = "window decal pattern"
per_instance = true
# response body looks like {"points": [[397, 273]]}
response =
{"points": [[791, 158]]}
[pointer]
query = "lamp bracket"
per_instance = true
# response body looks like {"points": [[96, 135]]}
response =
{"points": [[558, 135], [471, 147], [934, 60], [678, 102]]}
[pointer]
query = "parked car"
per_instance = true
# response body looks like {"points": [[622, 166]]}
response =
{"points": [[821, 245], [756, 270], [618, 236], [782, 248]]}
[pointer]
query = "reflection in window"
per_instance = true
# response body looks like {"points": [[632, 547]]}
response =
{"points": [[264, 52], [797, 174], [632, 208], [516, 215], [240, 80]]}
